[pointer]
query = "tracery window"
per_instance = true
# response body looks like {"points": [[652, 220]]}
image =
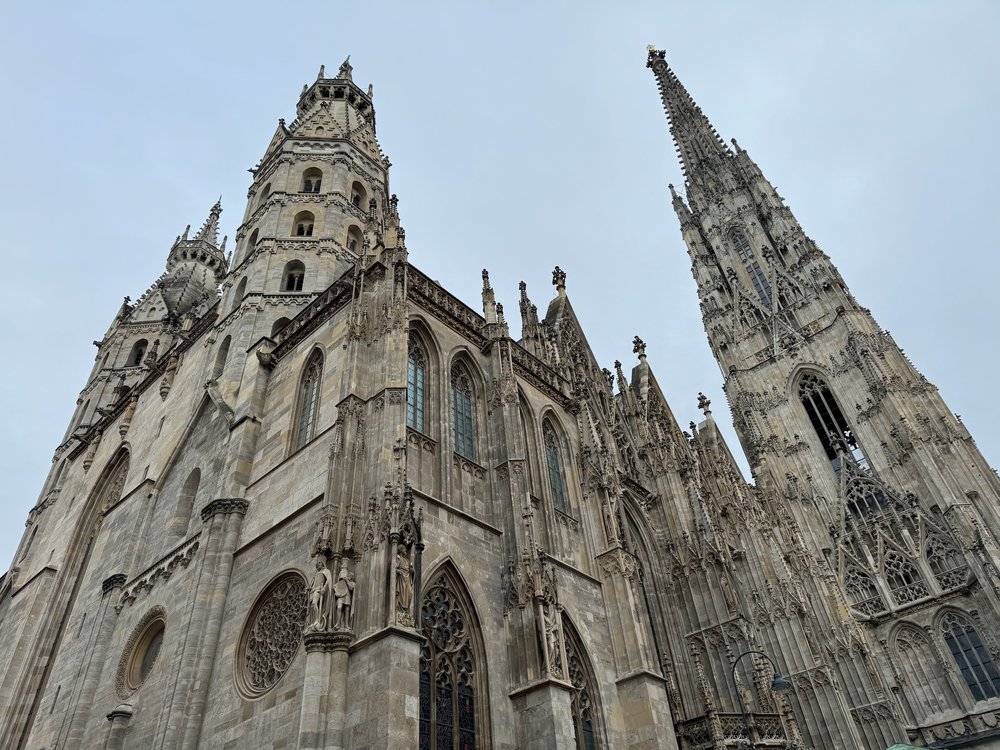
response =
{"points": [[308, 401], [583, 703], [862, 591], [926, 687], [903, 578], [741, 246], [553, 464], [946, 562], [828, 420], [449, 687], [416, 381], [271, 635], [462, 422], [972, 657]]}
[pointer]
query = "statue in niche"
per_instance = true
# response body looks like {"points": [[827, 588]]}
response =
{"points": [[319, 597], [343, 593], [404, 585], [550, 622], [611, 523], [728, 594]]}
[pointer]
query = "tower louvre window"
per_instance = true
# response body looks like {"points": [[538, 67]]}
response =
{"points": [[971, 656], [416, 377], [312, 180], [553, 464], [462, 423], [741, 246], [308, 401], [359, 196], [355, 240], [828, 421], [293, 276], [137, 353], [302, 226]]}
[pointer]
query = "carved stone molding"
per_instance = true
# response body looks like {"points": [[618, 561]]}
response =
{"points": [[225, 505], [116, 581], [328, 642], [162, 569]]}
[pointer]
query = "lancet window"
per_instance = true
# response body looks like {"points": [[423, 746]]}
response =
{"points": [[462, 420], [554, 468], [308, 401], [828, 420], [741, 246], [583, 703], [972, 657], [416, 385], [452, 699], [927, 689]]}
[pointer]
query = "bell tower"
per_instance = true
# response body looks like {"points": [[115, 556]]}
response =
{"points": [[887, 487], [317, 201]]}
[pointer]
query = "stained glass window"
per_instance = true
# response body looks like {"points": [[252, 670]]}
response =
{"points": [[416, 379], [462, 424], [308, 401], [973, 659], [582, 704], [553, 463], [448, 690]]}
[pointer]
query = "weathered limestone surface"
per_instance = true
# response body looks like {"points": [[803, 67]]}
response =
{"points": [[333, 506]]}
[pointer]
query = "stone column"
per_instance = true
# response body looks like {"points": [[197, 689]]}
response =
{"points": [[107, 618], [545, 718], [119, 717], [223, 517], [324, 691]]}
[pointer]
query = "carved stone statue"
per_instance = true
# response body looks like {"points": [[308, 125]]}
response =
{"points": [[550, 622], [343, 593], [319, 598], [404, 585]]}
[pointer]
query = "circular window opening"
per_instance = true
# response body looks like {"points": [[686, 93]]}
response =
{"points": [[141, 652], [271, 634]]}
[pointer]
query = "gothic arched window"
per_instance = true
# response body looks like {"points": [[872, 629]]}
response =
{"points": [[862, 591], [416, 382], [971, 656], [462, 422], [922, 674], [554, 468], [828, 420], [583, 704], [220, 358], [452, 696], [741, 246], [905, 581], [241, 289], [359, 196], [946, 562], [355, 240], [293, 276], [307, 409]]}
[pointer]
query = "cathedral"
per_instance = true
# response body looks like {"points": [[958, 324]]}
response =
{"points": [[311, 499]]}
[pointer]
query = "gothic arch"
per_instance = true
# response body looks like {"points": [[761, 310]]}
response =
{"points": [[528, 426], [454, 691], [467, 385], [421, 396], [588, 716], [972, 651], [921, 672], [308, 399], [556, 451]]}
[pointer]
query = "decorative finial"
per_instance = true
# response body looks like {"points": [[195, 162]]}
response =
{"points": [[559, 279], [371, 91], [322, 72], [345, 69], [704, 404], [639, 347], [486, 279]]}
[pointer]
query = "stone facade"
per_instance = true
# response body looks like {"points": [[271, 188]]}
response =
{"points": [[336, 507]]}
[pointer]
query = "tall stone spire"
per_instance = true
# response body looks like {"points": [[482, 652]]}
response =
{"points": [[209, 231], [696, 140]]}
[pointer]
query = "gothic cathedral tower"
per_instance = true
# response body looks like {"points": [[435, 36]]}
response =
{"points": [[887, 499]]}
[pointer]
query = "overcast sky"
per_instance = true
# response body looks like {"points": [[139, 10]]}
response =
{"points": [[522, 137]]}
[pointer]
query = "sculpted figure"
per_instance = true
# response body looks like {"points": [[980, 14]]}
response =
{"points": [[343, 593], [404, 584], [319, 597]]}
